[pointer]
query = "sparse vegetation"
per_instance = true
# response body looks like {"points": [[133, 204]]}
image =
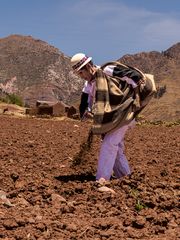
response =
{"points": [[12, 99], [158, 122], [160, 91], [139, 205], [134, 192]]}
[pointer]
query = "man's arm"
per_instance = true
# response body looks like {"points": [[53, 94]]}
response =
{"points": [[83, 104]]}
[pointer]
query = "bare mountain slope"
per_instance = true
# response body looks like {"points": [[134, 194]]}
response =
{"points": [[42, 71], [166, 68]]}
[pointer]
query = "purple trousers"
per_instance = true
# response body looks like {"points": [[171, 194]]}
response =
{"points": [[112, 157]]}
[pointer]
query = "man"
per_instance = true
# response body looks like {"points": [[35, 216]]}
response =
{"points": [[114, 101], [85, 106]]}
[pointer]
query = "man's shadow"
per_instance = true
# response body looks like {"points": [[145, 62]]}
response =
{"points": [[83, 177]]}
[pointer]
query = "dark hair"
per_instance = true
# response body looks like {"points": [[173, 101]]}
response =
{"points": [[84, 67]]}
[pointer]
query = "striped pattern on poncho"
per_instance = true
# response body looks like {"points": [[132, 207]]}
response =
{"points": [[114, 102]]}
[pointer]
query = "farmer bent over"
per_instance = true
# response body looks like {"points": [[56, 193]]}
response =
{"points": [[117, 94]]}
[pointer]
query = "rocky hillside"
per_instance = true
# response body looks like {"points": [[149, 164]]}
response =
{"points": [[41, 72], [166, 68]]}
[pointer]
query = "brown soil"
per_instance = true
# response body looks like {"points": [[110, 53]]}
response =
{"points": [[45, 194]]}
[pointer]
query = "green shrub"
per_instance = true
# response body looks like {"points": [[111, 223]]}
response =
{"points": [[13, 99]]}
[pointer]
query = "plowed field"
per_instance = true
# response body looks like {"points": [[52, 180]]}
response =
{"points": [[46, 194]]}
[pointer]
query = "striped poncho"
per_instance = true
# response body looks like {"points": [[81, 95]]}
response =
{"points": [[114, 104]]}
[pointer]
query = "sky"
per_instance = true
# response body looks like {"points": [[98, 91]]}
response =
{"points": [[103, 29]]}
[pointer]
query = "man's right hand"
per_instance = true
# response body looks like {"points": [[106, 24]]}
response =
{"points": [[87, 115]]}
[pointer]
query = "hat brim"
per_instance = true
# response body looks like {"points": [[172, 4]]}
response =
{"points": [[84, 63]]}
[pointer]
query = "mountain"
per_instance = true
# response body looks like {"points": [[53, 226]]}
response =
{"points": [[39, 71], [42, 71], [165, 67]]}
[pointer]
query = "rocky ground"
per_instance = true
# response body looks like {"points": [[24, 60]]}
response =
{"points": [[48, 189]]}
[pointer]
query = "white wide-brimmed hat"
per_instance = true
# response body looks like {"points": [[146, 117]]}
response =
{"points": [[79, 60]]}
